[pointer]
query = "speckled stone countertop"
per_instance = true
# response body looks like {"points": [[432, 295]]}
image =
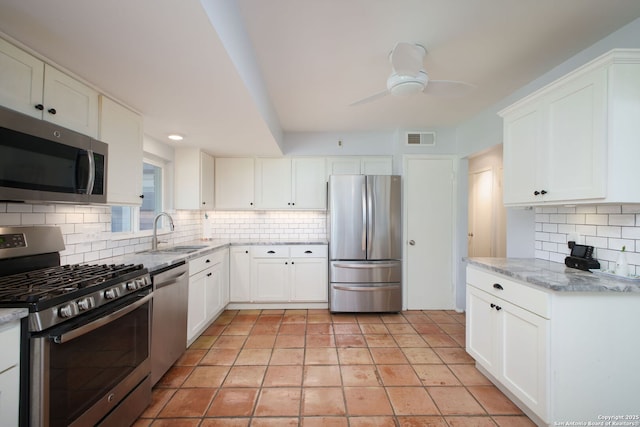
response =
{"points": [[154, 261], [554, 276], [10, 314]]}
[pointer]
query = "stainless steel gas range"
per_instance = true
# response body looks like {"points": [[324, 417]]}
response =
{"points": [[85, 343]]}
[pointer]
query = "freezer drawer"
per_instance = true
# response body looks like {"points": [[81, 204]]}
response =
{"points": [[363, 272], [365, 297]]}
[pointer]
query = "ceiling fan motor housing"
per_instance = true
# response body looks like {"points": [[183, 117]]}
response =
{"points": [[403, 85]]}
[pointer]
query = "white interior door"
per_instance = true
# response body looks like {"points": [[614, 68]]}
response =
{"points": [[481, 225], [429, 220]]}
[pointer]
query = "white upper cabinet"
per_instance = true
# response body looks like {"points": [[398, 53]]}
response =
{"points": [[309, 185], [234, 182], [285, 183], [273, 183], [353, 165], [122, 129], [194, 179], [30, 86], [574, 140]]}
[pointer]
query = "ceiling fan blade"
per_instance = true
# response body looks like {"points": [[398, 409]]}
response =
{"points": [[370, 98], [407, 58], [448, 88]]}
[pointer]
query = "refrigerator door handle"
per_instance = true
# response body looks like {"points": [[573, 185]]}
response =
{"points": [[367, 266], [364, 217], [365, 288], [370, 218]]}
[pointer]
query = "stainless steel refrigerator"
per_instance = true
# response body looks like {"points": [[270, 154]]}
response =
{"points": [[365, 243]]}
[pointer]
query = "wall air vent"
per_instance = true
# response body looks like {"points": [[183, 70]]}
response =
{"points": [[423, 139]]}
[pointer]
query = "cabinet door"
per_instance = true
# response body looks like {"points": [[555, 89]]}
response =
{"points": [[197, 307], [575, 149], [122, 129], [207, 165], [240, 274], [10, 396], [309, 185], [213, 291], [234, 183], [375, 165], [309, 279], [523, 344], [522, 139], [270, 279], [69, 103], [22, 80], [343, 166], [481, 339], [273, 183]]}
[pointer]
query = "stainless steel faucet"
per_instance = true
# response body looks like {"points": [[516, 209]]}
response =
{"points": [[154, 239]]}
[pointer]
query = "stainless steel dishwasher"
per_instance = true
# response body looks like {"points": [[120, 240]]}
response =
{"points": [[169, 317]]}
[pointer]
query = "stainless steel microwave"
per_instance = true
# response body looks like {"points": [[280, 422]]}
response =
{"points": [[43, 162]]}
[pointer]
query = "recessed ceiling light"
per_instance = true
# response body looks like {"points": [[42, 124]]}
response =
{"points": [[175, 137]]}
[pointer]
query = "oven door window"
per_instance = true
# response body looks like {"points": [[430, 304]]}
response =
{"points": [[85, 369]]}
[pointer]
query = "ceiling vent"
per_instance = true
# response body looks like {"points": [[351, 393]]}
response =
{"points": [[423, 139]]}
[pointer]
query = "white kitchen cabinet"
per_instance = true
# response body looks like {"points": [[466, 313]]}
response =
{"points": [[207, 294], [559, 355], [273, 183], [234, 183], [39, 90], [308, 273], [376, 165], [510, 343], [240, 273], [122, 129], [344, 165], [10, 373], [570, 142], [309, 184], [278, 274], [194, 179], [285, 183]]}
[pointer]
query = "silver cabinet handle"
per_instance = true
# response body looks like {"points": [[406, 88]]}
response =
{"points": [[412, 242]]}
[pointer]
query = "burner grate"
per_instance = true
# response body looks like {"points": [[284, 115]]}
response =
{"points": [[45, 283]]}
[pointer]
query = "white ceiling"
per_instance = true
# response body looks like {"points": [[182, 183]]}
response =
{"points": [[233, 76]]}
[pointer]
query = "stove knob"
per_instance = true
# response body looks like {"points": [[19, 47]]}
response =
{"points": [[65, 311], [84, 304], [110, 293], [131, 286]]}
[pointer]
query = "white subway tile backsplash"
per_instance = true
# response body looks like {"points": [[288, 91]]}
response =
{"points": [[605, 227]]}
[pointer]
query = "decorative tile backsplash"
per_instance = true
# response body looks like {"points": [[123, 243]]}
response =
{"points": [[88, 237], [605, 227], [266, 225]]}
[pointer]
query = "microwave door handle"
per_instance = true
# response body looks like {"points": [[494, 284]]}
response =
{"points": [[92, 172]]}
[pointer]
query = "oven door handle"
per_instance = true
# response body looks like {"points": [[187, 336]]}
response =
{"points": [[85, 329]]}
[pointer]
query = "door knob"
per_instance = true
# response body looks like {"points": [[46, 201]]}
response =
{"points": [[412, 242]]}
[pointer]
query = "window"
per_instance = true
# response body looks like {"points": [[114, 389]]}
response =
{"points": [[131, 219]]}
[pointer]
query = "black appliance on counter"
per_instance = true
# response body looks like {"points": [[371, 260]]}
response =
{"points": [[85, 343], [581, 257]]}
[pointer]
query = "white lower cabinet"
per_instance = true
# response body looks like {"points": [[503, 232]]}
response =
{"points": [[561, 356], [208, 296], [278, 274], [9, 373]]}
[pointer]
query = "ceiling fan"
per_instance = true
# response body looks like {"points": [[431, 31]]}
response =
{"points": [[408, 76]]}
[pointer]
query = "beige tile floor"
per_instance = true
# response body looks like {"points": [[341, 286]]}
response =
{"points": [[311, 368]]}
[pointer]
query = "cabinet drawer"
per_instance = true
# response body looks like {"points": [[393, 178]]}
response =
{"points": [[308, 251], [10, 343], [531, 299], [198, 264], [274, 251]]}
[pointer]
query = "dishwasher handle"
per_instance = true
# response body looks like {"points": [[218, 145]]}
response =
{"points": [[169, 275]]}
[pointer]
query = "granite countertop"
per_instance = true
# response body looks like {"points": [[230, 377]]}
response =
{"points": [[553, 276], [154, 261], [10, 314]]}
